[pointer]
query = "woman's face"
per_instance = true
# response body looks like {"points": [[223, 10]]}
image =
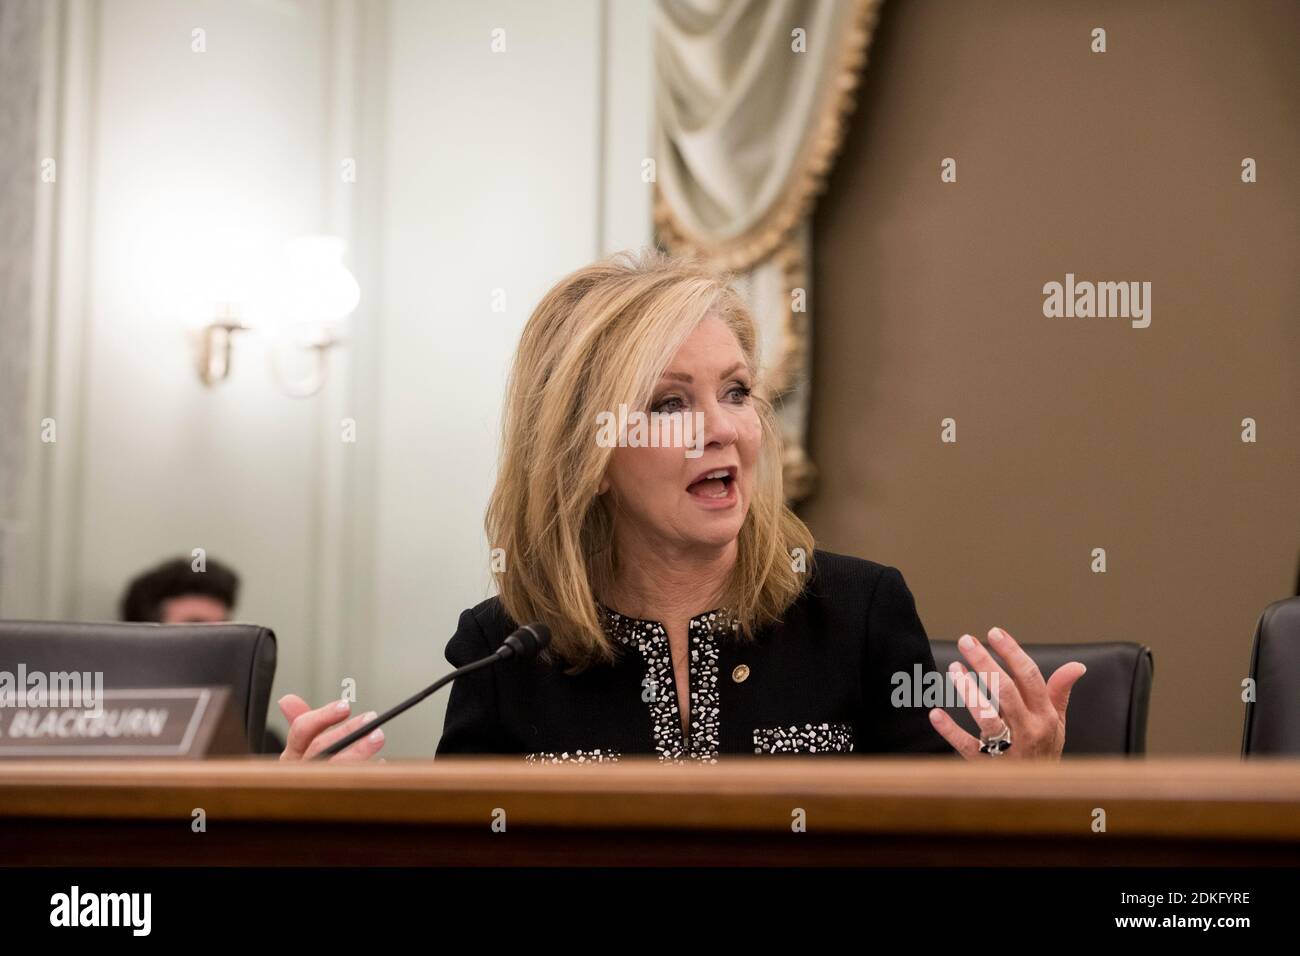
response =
{"points": [[661, 494]]}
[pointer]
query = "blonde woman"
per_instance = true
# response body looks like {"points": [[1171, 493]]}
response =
{"points": [[690, 615]]}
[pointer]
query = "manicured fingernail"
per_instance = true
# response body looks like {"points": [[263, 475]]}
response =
{"points": [[281, 701], [341, 706], [996, 634], [934, 716], [368, 717], [377, 735], [966, 643]]}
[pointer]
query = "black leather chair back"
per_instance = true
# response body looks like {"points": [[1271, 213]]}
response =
{"points": [[1273, 717], [238, 656], [1108, 705]]}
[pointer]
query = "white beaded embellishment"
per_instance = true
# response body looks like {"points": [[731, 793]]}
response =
{"points": [[651, 640], [577, 756], [808, 739]]}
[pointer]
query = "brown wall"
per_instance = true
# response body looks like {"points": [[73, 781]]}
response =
{"points": [[1073, 434]]}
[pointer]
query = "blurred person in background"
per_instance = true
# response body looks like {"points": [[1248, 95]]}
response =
{"points": [[174, 593]]}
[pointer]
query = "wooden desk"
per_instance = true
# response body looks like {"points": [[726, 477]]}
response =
{"points": [[863, 811]]}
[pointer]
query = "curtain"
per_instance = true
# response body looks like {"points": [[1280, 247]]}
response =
{"points": [[21, 26], [752, 98]]}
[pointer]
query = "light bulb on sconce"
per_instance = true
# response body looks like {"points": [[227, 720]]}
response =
{"points": [[312, 297], [316, 295]]}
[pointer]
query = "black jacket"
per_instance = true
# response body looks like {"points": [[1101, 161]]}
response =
{"points": [[821, 681]]}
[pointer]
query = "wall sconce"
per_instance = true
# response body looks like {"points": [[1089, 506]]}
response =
{"points": [[313, 296], [215, 343]]}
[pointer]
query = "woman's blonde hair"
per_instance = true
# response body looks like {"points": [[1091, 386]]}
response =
{"points": [[602, 337]]}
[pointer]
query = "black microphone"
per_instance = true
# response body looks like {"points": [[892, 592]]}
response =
{"points": [[528, 641]]}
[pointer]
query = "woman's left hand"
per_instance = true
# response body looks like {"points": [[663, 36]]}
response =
{"points": [[1034, 709]]}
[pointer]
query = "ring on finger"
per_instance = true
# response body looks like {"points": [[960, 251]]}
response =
{"points": [[998, 743]]}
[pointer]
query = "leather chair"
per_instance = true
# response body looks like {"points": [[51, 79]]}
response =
{"points": [[1108, 706], [238, 656], [1273, 717]]}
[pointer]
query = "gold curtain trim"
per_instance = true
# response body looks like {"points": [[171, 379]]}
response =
{"points": [[806, 182], [794, 324], [800, 474]]}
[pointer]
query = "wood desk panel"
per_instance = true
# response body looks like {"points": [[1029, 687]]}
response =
{"points": [[863, 811]]}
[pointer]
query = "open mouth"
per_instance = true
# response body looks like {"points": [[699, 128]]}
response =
{"points": [[716, 484]]}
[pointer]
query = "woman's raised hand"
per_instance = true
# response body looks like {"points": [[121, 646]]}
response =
{"points": [[311, 731], [1032, 708]]}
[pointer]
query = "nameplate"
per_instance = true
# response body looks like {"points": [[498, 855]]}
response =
{"points": [[159, 722]]}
